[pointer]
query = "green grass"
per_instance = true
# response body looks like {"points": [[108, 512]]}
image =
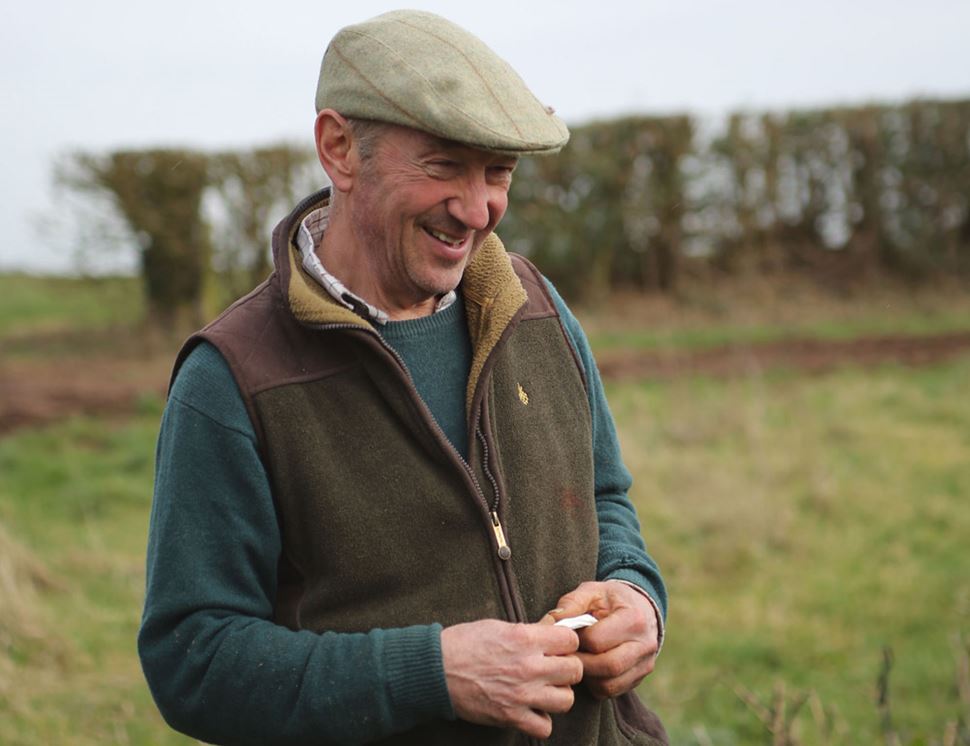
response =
{"points": [[758, 333], [748, 313], [734, 313], [803, 523], [74, 498], [35, 304]]}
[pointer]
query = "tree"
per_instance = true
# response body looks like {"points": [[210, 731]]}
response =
{"points": [[251, 190], [158, 194]]}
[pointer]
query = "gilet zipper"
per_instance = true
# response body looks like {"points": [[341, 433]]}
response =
{"points": [[503, 550]]}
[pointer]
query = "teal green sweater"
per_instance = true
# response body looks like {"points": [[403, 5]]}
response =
{"points": [[214, 544], [438, 354]]}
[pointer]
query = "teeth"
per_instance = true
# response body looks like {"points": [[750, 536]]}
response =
{"points": [[444, 238]]}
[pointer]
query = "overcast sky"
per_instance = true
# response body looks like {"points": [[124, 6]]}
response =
{"points": [[101, 74]]}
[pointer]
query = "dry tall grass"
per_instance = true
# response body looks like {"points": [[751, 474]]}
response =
{"points": [[24, 632]]}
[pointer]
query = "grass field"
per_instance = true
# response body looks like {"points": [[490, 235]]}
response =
{"points": [[804, 524], [756, 312], [74, 502], [30, 304]]}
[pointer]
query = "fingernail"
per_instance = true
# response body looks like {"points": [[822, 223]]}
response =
{"points": [[556, 611]]}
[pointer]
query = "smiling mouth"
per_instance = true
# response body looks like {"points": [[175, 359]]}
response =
{"points": [[455, 243]]}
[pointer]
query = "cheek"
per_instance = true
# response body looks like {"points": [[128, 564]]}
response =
{"points": [[497, 205]]}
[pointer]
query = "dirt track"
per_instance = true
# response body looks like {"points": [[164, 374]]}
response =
{"points": [[38, 392], [802, 355], [35, 392]]}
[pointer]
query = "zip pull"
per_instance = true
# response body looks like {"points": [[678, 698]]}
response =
{"points": [[503, 547]]}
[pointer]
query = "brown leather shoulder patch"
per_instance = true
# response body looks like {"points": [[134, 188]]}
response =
{"points": [[266, 347], [540, 303]]}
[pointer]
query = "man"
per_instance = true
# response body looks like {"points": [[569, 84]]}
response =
{"points": [[384, 474]]}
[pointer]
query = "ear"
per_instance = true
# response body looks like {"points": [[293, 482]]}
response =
{"points": [[334, 140]]}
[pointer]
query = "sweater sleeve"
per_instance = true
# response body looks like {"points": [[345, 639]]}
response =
{"points": [[622, 552], [219, 668]]}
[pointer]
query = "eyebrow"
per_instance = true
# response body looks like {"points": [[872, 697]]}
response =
{"points": [[435, 143]]}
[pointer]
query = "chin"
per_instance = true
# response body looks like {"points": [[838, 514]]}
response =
{"points": [[439, 283], [438, 290]]}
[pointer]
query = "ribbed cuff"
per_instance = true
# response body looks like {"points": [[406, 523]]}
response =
{"points": [[416, 684]]}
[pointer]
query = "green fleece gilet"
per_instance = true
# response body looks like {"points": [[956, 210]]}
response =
{"points": [[383, 524]]}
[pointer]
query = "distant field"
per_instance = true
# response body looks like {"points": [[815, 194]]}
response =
{"points": [[696, 320], [33, 304], [751, 313]]}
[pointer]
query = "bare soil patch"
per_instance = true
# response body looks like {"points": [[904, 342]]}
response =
{"points": [[805, 355], [55, 374], [36, 392]]}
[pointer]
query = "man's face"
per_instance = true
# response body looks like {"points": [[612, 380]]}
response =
{"points": [[422, 206]]}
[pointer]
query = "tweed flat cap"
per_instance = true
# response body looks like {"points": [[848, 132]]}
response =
{"points": [[420, 70]]}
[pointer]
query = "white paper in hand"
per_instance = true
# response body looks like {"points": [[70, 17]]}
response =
{"points": [[577, 622]]}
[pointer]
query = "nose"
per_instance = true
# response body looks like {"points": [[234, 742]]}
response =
{"points": [[474, 203]]}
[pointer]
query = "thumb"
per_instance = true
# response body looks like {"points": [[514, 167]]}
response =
{"points": [[587, 598], [551, 617]]}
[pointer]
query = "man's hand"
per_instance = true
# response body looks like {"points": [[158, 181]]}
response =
{"points": [[618, 651], [511, 675]]}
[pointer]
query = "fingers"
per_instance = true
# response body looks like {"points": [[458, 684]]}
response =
{"points": [[619, 669], [511, 674], [550, 617], [609, 688], [551, 639], [565, 670], [624, 624], [551, 699], [559, 699], [588, 598], [620, 649], [558, 666], [616, 662], [533, 723], [552, 668]]}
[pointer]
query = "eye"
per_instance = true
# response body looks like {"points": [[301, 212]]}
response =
{"points": [[442, 167], [501, 173]]}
